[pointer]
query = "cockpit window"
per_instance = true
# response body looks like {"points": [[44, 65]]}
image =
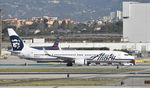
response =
{"points": [[126, 54]]}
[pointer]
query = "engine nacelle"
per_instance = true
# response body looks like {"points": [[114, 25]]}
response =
{"points": [[80, 61]]}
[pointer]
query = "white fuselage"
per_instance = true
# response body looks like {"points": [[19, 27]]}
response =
{"points": [[91, 55]]}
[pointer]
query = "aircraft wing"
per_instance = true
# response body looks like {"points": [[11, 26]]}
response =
{"points": [[60, 57]]}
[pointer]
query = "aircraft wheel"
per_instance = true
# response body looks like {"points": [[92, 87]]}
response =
{"points": [[88, 63], [69, 64]]}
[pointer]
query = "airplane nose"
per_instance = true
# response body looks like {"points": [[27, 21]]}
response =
{"points": [[132, 57]]}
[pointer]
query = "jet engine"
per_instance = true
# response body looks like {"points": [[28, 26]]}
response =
{"points": [[81, 61]]}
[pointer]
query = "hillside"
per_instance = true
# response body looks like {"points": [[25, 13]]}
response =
{"points": [[78, 10]]}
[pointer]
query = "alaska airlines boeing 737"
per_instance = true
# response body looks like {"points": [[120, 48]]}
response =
{"points": [[79, 57]]}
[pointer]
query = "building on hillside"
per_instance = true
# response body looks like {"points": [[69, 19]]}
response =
{"points": [[112, 16], [28, 22], [50, 23], [14, 22], [119, 15], [60, 21]]}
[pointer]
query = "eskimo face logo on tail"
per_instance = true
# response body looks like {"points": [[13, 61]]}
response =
{"points": [[17, 43]]}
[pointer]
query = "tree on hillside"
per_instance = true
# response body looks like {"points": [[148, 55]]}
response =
{"points": [[55, 25], [70, 26], [45, 23], [64, 25], [35, 25], [116, 27]]}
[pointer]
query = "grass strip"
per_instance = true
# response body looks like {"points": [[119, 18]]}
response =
{"points": [[59, 81]]}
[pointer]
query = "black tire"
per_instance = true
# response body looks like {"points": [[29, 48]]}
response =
{"points": [[88, 63], [69, 64]]}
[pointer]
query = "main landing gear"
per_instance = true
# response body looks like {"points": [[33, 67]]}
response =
{"points": [[69, 64], [88, 63]]}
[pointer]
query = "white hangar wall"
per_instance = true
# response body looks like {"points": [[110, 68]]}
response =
{"points": [[136, 21]]}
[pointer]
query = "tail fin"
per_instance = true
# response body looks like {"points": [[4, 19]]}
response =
{"points": [[56, 43], [16, 42]]}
